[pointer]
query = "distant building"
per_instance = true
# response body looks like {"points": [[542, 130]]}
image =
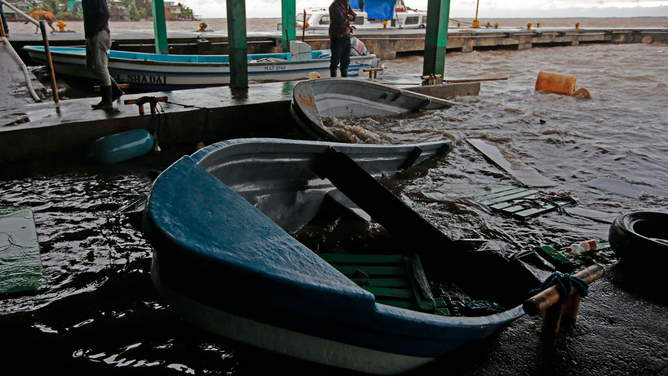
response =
{"points": [[11, 15], [118, 12], [75, 6], [172, 11]]}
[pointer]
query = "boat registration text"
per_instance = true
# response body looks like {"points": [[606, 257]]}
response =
{"points": [[140, 79]]}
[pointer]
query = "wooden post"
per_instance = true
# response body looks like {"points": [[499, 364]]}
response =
{"points": [[238, 46], [49, 62], [304, 27], [160, 27], [552, 319], [289, 20], [436, 38], [572, 307]]}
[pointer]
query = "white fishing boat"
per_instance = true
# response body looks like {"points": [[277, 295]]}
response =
{"points": [[146, 71], [376, 14]]}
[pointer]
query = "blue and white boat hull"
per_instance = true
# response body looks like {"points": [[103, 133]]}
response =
{"points": [[223, 262], [172, 72]]}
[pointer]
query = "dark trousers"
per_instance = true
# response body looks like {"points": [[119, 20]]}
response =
{"points": [[4, 20], [340, 54]]}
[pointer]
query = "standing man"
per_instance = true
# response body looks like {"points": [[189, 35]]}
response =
{"points": [[340, 15], [4, 21], [98, 44]]}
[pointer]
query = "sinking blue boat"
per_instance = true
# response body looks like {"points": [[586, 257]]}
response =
{"points": [[219, 223]]}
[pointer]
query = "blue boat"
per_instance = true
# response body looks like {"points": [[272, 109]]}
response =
{"points": [[220, 221], [148, 71]]}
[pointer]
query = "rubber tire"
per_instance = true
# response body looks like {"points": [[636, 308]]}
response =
{"points": [[632, 236]]}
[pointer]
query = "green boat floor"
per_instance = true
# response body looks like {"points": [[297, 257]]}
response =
{"points": [[393, 279], [20, 263]]}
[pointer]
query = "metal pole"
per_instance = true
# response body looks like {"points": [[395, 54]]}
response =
{"points": [[436, 38], [49, 62], [238, 46], [160, 27], [476, 23], [288, 14]]}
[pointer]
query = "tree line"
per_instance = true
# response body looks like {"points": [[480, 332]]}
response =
{"points": [[71, 9]]}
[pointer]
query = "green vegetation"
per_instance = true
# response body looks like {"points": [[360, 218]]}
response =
{"points": [[71, 10]]}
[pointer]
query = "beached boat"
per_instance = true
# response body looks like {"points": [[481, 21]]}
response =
{"points": [[219, 223], [377, 14], [317, 99], [147, 71]]}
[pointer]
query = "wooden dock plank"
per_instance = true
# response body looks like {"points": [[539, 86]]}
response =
{"points": [[20, 263], [521, 172]]}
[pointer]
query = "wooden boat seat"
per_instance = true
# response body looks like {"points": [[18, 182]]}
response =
{"points": [[394, 280]]}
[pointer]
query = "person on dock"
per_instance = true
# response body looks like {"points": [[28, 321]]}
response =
{"points": [[4, 21], [98, 43], [340, 15]]}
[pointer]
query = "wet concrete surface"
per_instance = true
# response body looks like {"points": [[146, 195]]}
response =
{"points": [[33, 130], [622, 329]]}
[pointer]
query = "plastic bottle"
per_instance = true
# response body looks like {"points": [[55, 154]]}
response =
{"points": [[585, 246]]}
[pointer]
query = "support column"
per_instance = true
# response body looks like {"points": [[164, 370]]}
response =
{"points": [[436, 38], [238, 47], [288, 23], [160, 27]]}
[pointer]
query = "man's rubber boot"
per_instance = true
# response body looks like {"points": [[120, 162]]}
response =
{"points": [[332, 72], [105, 103], [116, 91], [344, 72]]}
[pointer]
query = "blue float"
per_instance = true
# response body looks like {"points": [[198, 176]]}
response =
{"points": [[122, 146]]}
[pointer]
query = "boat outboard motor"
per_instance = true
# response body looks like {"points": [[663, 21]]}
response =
{"points": [[357, 48]]}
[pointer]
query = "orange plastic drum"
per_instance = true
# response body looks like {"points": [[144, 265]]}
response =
{"points": [[556, 83]]}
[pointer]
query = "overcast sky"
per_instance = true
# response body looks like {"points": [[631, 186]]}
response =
{"points": [[466, 8]]}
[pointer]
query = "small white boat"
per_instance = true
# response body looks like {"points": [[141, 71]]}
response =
{"points": [[145, 71], [380, 14]]}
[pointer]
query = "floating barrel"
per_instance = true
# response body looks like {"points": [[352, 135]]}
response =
{"points": [[122, 146], [556, 83]]}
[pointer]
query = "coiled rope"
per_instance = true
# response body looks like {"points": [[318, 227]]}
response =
{"points": [[566, 283]]}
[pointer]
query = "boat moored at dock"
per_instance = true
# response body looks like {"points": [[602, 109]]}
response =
{"points": [[147, 71], [384, 14]]}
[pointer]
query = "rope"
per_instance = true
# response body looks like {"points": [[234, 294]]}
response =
{"points": [[186, 105], [566, 282], [205, 127]]}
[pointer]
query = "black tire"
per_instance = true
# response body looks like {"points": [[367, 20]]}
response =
{"points": [[640, 236]]}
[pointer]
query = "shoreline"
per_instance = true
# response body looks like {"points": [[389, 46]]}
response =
{"points": [[271, 24]]}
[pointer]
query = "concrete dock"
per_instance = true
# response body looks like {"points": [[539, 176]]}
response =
{"points": [[39, 130]]}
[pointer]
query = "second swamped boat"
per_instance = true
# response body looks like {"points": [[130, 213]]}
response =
{"points": [[343, 98], [224, 259]]}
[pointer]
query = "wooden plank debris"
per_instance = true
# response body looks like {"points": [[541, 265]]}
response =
{"points": [[623, 188], [518, 202], [20, 263], [521, 172], [593, 214]]}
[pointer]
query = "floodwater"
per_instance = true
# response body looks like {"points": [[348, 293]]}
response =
{"points": [[97, 312]]}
